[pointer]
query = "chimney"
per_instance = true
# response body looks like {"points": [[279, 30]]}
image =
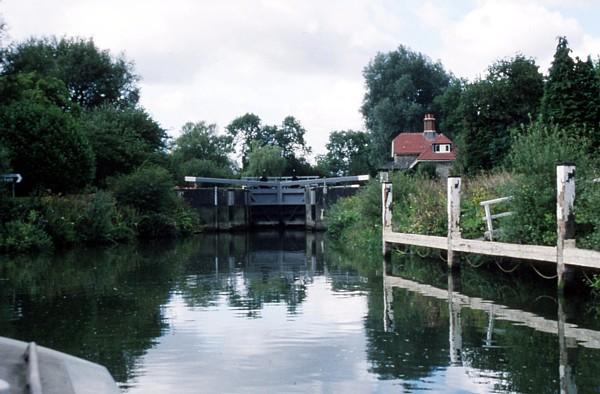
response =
{"points": [[429, 127]]}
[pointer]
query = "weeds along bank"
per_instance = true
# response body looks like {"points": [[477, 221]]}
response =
{"points": [[528, 174], [142, 204]]}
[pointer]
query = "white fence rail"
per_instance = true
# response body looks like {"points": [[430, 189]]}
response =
{"points": [[564, 254]]}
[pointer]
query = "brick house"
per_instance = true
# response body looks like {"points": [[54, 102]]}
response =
{"points": [[411, 149]]}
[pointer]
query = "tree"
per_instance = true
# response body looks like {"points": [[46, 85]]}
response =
{"points": [[248, 131], [92, 76], [265, 160], [122, 138], [572, 94], [199, 151], [243, 130], [401, 87], [508, 97], [347, 153], [45, 144]]}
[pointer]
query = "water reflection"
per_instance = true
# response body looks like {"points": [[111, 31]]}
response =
{"points": [[271, 312], [481, 369]]}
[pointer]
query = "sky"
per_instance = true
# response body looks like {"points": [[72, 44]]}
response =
{"points": [[213, 61]]}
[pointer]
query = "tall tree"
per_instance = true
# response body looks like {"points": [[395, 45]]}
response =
{"points": [[572, 94], [122, 138], [42, 136], [265, 160], [200, 151], [509, 96], [92, 76], [347, 153], [401, 86], [248, 132]]}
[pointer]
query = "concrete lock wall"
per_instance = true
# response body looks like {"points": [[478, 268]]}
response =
{"points": [[229, 209], [218, 208]]}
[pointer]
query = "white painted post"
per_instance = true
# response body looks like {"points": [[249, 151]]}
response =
{"points": [[488, 221], [565, 219], [455, 324], [386, 214], [453, 217]]}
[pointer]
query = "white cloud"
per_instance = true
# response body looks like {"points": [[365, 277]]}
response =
{"points": [[214, 61], [497, 29]]}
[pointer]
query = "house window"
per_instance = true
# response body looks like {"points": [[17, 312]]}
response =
{"points": [[441, 148]]}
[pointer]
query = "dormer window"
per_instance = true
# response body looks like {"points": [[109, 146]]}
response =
{"points": [[441, 148]]}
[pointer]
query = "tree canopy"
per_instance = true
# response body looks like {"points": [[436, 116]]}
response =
{"points": [[347, 153], [509, 96], [92, 76], [401, 87]]}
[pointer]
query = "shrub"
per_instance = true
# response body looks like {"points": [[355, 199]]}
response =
{"points": [[533, 158], [25, 235], [147, 189], [149, 192]]}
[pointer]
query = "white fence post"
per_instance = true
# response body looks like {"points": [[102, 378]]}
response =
{"points": [[386, 214], [453, 217], [565, 219]]}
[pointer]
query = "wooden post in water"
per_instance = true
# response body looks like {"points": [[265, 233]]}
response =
{"points": [[565, 219], [386, 214], [453, 218]]}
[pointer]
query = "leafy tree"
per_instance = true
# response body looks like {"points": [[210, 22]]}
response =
{"points": [[200, 141], [507, 97], [92, 76], [265, 160], [243, 130], [572, 94], [290, 138], [248, 131], [46, 146], [200, 151], [401, 86], [347, 153], [122, 138]]}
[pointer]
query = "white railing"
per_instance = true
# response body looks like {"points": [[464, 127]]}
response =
{"points": [[488, 218]]}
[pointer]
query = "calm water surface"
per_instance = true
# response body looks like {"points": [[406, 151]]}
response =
{"points": [[273, 312]]}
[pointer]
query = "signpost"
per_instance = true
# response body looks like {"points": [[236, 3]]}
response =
{"points": [[12, 178]]}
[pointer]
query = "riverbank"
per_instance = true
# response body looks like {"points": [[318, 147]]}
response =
{"points": [[419, 207], [141, 205]]}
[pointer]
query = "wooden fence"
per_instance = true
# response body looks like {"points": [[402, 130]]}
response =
{"points": [[564, 254]]}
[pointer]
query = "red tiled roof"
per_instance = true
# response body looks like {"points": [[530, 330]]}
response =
{"points": [[416, 144]]}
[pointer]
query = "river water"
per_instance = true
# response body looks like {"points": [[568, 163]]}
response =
{"points": [[271, 312]]}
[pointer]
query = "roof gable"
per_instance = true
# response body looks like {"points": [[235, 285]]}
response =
{"points": [[417, 144]]}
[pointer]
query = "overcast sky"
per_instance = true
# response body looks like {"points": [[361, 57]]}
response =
{"points": [[216, 60]]}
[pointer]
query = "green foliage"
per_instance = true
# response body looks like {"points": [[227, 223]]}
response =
{"points": [[46, 146], [265, 160], [26, 235], [122, 138], [347, 154], [572, 93], [533, 158], [419, 205], [248, 132], [149, 191], [86, 219], [199, 151], [92, 76], [354, 223], [401, 87], [507, 97]]}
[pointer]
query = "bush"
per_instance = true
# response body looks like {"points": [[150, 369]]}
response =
{"points": [[533, 158], [149, 192], [89, 219], [147, 189], [25, 235], [419, 205]]}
